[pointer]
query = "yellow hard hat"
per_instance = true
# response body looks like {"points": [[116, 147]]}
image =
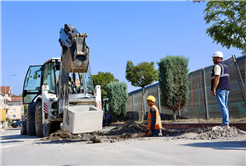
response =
{"points": [[151, 98]]}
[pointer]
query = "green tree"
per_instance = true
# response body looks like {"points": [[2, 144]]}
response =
{"points": [[13, 95], [173, 82], [140, 76], [103, 79], [194, 1], [229, 23], [117, 98]]}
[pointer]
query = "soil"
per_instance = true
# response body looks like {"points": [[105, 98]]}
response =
{"points": [[132, 130]]}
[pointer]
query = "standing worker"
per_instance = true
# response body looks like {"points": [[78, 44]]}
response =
{"points": [[220, 86], [154, 125]]}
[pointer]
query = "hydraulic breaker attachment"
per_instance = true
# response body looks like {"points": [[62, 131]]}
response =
{"points": [[75, 53]]}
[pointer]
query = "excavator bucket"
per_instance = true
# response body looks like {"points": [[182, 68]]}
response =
{"points": [[75, 53], [76, 61]]}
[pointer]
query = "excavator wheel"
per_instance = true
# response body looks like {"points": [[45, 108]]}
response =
{"points": [[30, 124], [38, 119], [23, 129], [54, 127]]}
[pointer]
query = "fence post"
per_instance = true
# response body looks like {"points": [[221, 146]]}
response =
{"points": [[205, 93], [158, 93], [146, 91], [144, 104], [240, 80], [133, 108]]}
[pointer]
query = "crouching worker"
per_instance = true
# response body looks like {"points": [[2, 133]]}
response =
{"points": [[154, 125]]}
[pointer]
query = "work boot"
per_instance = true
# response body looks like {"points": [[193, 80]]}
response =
{"points": [[225, 126]]}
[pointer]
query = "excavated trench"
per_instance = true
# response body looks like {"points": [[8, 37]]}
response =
{"points": [[132, 130]]}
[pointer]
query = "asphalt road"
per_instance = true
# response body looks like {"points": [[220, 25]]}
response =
{"points": [[28, 150]]}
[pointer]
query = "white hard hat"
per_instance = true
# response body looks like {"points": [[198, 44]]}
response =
{"points": [[217, 54]]}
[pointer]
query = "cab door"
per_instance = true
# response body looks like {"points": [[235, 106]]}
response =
{"points": [[32, 84]]}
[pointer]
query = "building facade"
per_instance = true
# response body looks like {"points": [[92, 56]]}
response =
{"points": [[1, 99], [16, 108], [7, 97]]}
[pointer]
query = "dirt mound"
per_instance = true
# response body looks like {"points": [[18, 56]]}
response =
{"points": [[130, 129], [216, 132], [63, 134]]}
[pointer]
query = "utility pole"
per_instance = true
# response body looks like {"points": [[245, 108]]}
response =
{"points": [[5, 100]]}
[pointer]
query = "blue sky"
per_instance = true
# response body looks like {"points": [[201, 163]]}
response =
{"points": [[117, 32]]}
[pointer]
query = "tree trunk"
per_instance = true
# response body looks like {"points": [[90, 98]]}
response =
{"points": [[142, 116], [174, 115]]}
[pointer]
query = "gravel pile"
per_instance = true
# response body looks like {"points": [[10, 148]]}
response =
{"points": [[130, 130], [204, 133], [218, 132]]}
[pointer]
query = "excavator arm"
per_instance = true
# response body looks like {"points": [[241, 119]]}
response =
{"points": [[74, 59]]}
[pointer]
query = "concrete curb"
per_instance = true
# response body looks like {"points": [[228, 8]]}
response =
{"points": [[183, 125]]}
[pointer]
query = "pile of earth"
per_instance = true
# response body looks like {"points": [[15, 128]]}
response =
{"points": [[204, 133], [63, 134], [128, 130], [131, 130]]}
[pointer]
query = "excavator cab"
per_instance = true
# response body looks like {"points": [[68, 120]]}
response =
{"points": [[32, 84]]}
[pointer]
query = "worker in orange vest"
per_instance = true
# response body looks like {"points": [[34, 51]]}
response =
{"points": [[154, 125]]}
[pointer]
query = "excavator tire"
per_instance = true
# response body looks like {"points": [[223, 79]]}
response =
{"points": [[23, 131], [30, 124], [54, 127], [38, 119]]}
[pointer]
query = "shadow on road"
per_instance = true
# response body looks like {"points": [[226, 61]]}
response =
{"points": [[229, 145], [62, 142], [6, 137], [4, 142], [9, 135]]}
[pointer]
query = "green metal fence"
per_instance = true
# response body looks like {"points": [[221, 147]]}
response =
{"points": [[201, 102]]}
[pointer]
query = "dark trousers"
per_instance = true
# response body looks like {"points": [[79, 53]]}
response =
{"points": [[106, 121], [157, 133]]}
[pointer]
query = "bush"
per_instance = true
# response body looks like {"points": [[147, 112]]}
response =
{"points": [[117, 98], [174, 83]]}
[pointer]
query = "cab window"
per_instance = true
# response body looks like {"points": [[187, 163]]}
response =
{"points": [[49, 77]]}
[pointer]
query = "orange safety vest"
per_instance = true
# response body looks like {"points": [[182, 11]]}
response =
{"points": [[158, 124]]}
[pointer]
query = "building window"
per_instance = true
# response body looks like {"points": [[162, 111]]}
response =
{"points": [[14, 116], [13, 104], [13, 110]]}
